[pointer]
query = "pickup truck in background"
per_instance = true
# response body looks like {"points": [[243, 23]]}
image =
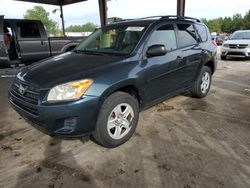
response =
{"points": [[29, 42]]}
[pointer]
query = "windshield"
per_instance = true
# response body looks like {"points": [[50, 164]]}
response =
{"points": [[116, 40], [241, 35]]}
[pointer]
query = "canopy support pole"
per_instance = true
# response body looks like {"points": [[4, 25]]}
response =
{"points": [[62, 17], [180, 7], [103, 11]]}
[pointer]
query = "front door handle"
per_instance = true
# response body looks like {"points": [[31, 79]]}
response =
{"points": [[179, 59]]}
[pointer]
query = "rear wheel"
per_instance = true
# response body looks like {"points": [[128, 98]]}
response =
{"points": [[202, 84], [117, 120]]}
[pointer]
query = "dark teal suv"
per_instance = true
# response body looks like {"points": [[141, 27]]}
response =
{"points": [[99, 88]]}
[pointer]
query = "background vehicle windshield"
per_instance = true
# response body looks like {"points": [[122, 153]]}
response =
{"points": [[241, 35], [115, 40]]}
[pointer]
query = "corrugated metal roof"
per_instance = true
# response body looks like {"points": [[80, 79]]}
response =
{"points": [[54, 2]]}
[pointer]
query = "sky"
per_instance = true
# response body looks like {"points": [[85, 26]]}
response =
{"points": [[80, 13]]}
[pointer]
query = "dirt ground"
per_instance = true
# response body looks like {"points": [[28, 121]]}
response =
{"points": [[182, 142]]}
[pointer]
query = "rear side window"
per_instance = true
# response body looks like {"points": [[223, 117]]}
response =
{"points": [[164, 35], [202, 32], [187, 35], [28, 30]]}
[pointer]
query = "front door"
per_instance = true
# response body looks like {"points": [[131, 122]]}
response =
{"points": [[159, 71], [4, 59]]}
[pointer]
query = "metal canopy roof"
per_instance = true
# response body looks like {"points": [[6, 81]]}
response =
{"points": [[54, 2]]}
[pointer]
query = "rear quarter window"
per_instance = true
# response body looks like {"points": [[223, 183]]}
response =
{"points": [[202, 32]]}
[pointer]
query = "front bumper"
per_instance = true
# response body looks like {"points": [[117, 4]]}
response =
{"points": [[235, 52], [69, 119]]}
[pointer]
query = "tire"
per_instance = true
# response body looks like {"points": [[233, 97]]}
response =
{"points": [[223, 57], [202, 84], [114, 127]]}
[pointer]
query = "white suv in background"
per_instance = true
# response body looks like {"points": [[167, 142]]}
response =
{"points": [[237, 46]]}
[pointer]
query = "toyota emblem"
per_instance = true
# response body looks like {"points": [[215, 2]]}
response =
{"points": [[22, 89]]}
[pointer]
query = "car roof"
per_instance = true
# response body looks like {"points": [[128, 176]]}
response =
{"points": [[240, 31], [21, 20]]}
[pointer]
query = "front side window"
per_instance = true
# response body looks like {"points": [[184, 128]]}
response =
{"points": [[187, 35], [164, 35], [28, 30], [113, 40]]}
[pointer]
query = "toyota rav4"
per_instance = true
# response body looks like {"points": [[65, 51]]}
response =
{"points": [[99, 88]]}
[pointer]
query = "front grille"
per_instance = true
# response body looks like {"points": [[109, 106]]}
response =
{"points": [[27, 100], [238, 46]]}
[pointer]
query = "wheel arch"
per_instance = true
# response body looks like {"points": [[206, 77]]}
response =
{"points": [[211, 65], [69, 46], [127, 87]]}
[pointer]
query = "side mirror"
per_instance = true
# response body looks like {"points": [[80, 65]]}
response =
{"points": [[156, 50]]}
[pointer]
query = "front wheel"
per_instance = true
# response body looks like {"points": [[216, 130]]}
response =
{"points": [[202, 84], [117, 120]]}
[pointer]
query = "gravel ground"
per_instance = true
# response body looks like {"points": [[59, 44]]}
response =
{"points": [[182, 142]]}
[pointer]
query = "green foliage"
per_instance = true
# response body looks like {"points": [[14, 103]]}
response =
{"points": [[247, 20], [39, 13], [228, 24], [88, 27]]}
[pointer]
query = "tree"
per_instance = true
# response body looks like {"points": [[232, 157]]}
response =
{"points": [[228, 24], [247, 20], [39, 13], [88, 27], [237, 22]]}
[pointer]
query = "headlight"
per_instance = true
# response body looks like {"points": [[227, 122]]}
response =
{"points": [[69, 91], [226, 45]]}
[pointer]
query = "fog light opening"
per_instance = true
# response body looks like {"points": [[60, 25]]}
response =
{"points": [[69, 124]]}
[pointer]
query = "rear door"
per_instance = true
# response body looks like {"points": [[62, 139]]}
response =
{"points": [[32, 40], [4, 60], [190, 53]]}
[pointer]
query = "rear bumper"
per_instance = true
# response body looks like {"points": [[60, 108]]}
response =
{"points": [[71, 119]]}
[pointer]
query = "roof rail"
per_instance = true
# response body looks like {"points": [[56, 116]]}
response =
{"points": [[164, 17], [180, 17], [143, 18]]}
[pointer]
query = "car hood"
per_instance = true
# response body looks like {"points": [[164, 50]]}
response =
{"points": [[65, 68], [242, 41]]}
